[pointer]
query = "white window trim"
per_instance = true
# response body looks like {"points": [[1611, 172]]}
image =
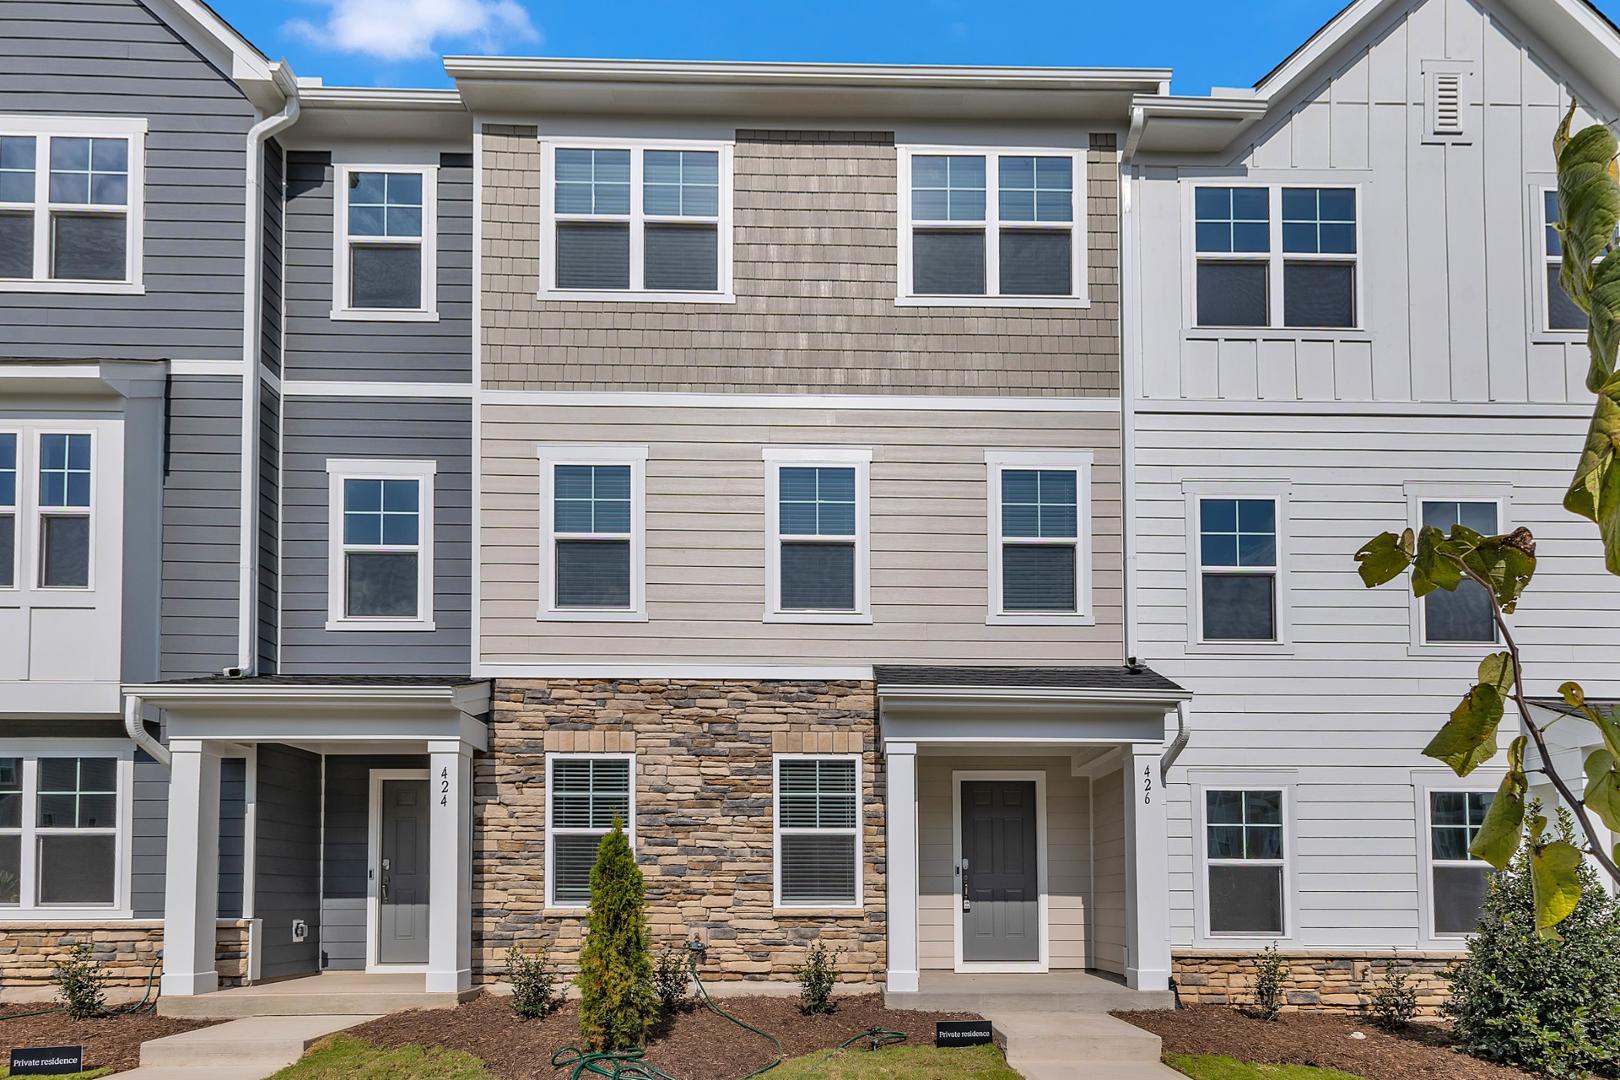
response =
{"points": [[337, 471], [1274, 257], [19, 521], [1418, 493], [629, 826], [1079, 297], [37, 512], [427, 309], [1206, 780], [637, 219], [858, 831], [1076, 461], [1278, 492], [1543, 329], [860, 459], [31, 751], [550, 456], [43, 128], [1426, 782]]}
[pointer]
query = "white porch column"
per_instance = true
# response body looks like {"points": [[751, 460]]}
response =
{"points": [[450, 860], [902, 883], [191, 871], [1147, 873]]}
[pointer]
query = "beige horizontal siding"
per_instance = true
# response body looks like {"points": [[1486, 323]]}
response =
{"points": [[706, 537], [815, 256]]}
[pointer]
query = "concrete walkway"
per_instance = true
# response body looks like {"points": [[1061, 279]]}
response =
{"points": [[248, 1049], [1077, 1046]]}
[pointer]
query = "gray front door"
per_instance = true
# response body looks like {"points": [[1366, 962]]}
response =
{"points": [[1000, 889], [402, 874]]}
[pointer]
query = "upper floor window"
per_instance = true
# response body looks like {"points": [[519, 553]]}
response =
{"points": [[8, 509], [1237, 569], [1457, 878], [636, 221], [70, 203], [380, 554], [1256, 246], [1038, 535], [593, 561], [997, 226], [385, 263], [817, 536], [63, 506], [1463, 616], [1244, 850], [1562, 313]]}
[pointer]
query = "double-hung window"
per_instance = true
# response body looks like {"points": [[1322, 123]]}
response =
{"points": [[1463, 616], [587, 794], [386, 255], [817, 541], [64, 494], [1458, 879], [380, 573], [1039, 535], [1237, 577], [8, 509], [1276, 257], [593, 550], [1002, 226], [60, 830], [818, 831], [1563, 314], [636, 221], [70, 203], [1244, 851]]}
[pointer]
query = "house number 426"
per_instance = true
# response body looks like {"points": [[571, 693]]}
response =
{"points": [[1147, 785]]}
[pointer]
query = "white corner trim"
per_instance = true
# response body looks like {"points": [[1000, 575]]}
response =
{"points": [[349, 389]]}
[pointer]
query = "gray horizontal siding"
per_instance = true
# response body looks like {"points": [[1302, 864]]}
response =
{"points": [[319, 429], [269, 544], [319, 347], [287, 858], [274, 177], [149, 835], [114, 57], [232, 835]]}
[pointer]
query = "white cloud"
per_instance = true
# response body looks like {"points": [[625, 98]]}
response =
{"points": [[414, 29]]}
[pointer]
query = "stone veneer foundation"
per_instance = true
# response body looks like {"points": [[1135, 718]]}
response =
{"points": [[127, 951], [1318, 980], [703, 799]]}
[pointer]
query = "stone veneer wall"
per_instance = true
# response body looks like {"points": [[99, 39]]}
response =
{"points": [[127, 951], [703, 799], [1318, 980]]}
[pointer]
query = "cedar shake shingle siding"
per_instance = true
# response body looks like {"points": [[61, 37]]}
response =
{"points": [[815, 260]]}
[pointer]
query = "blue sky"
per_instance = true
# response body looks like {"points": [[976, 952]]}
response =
{"points": [[399, 42]]}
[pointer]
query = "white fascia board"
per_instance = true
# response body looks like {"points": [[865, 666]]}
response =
{"points": [[1166, 699]]}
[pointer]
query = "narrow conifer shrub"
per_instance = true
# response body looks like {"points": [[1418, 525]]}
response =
{"points": [[617, 1005], [1543, 1005]]}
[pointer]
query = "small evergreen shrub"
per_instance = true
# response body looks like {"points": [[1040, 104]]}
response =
{"points": [[78, 978], [1270, 978], [1394, 1000], [534, 983], [817, 978], [1544, 1006], [671, 979], [617, 1006]]}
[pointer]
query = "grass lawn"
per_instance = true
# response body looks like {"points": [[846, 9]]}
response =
{"points": [[88, 1074], [343, 1058], [1213, 1067]]}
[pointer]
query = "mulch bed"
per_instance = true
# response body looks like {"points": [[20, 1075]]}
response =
{"points": [[1422, 1052], [698, 1044], [111, 1040]]}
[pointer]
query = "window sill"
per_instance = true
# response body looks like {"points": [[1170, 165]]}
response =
{"points": [[625, 296], [1275, 333], [380, 624], [102, 288], [847, 618], [1032, 619], [780, 912], [588, 615], [64, 914], [1558, 337], [1452, 649], [402, 315], [581, 912], [1073, 302]]}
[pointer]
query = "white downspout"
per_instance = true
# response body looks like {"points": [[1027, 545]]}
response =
{"points": [[252, 300], [138, 734]]}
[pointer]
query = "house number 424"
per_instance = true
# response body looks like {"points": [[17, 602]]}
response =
{"points": [[444, 787]]}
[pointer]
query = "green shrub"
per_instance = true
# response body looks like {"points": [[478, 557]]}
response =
{"points": [[617, 1007], [1270, 977], [1393, 1000], [1545, 1006], [816, 979], [533, 981], [671, 979], [78, 980]]}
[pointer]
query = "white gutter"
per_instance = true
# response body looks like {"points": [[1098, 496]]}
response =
{"points": [[1179, 743], [138, 734], [253, 246]]}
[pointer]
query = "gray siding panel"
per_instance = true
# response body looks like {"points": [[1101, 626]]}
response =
{"points": [[201, 526], [269, 540], [346, 854], [117, 58], [232, 835], [149, 837], [270, 313], [287, 858], [319, 429], [319, 347]]}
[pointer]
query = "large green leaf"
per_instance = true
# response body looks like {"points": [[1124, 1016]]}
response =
{"points": [[1603, 788], [1468, 739], [1497, 670], [1432, 569], [1507, 562], [1555, 884], [1503, 828], [1383, 558]]}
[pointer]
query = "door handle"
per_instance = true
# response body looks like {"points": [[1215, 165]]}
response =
{"points": [[385, 889], [967, 900]]}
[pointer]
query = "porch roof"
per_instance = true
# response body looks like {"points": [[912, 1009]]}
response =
{"points": [[1133, 679]]}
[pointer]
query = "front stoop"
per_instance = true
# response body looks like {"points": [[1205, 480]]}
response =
{"points": [[247, 1049], [1077, 1046], [1045, 992], [343, 993]]}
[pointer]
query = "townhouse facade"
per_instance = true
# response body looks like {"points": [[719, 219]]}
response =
{"points": [[917, 503]]}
